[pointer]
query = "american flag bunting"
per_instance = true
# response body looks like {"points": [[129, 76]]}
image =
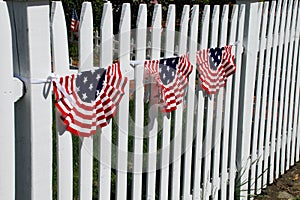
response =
{"points": [[215, 65], [89, 99], [171, 75]]}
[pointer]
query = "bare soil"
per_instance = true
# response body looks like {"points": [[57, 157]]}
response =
{"points": [[286, 187]]}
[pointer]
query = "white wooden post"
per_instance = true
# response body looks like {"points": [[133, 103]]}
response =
{"points": [[64, 138], [141, 35], [31, 38], [86, 63], [11, 89], [247, 95], [153, 112], [124, 57], [188, 133], [200, 114], [236, 98], [106, 57]]}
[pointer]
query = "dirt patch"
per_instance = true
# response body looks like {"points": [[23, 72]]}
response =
{"points": [[286, 187]]}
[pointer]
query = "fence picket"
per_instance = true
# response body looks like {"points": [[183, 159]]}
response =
{"points": [[247, 95], [124, 57], [200, 114], [141, 35], [105, 139], [86, 63], [298, 85], [227, 112], [64, 138], [217, 131], [295, 145], [188, 134], [235, 107], [276, 94], [265, 94], [153, 110], [290, 84], [258, 98], [283, 91], [11, 89], [177, 148], [270, 129], [165, 153]]}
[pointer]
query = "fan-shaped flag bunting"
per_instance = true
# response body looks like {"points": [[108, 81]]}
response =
{"points": [[89, 99], [171, 75], [215, 65]]}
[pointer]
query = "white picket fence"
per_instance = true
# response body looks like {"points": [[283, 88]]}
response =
{"points": [[224, 146]]}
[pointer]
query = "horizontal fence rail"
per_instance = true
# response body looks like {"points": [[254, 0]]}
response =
{"points": [[228, 145]]}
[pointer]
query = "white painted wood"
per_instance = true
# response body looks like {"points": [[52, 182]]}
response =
{"points": [[207, 188], [33, 132], [247, 96], [276, 108], [266, 93], [235, 108], [124, 57], [200, 113], [287, 120], [188, 133], [297, 153], [153, 110], [64, 138], [105, 148], [261, 70], [11, 89], [165, 153], [280, 161], [86, 63], [177, 151], [269, 126], [287, 48], [141, 34], [296, 60], [227, 109], [219, 113]]}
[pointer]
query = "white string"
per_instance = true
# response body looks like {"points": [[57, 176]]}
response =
{"points": [[36, 80]]}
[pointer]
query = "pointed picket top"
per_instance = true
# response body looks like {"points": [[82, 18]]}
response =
{"points": [[124, 41], [282, 22], [141, 21], [233, 19], [156, 32], [193, 41], [170, 31], [86, 37], [106, 35], [184, 24], [224, 25], [215, 22], [205, 27], [59, 39], [156, 20]]}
